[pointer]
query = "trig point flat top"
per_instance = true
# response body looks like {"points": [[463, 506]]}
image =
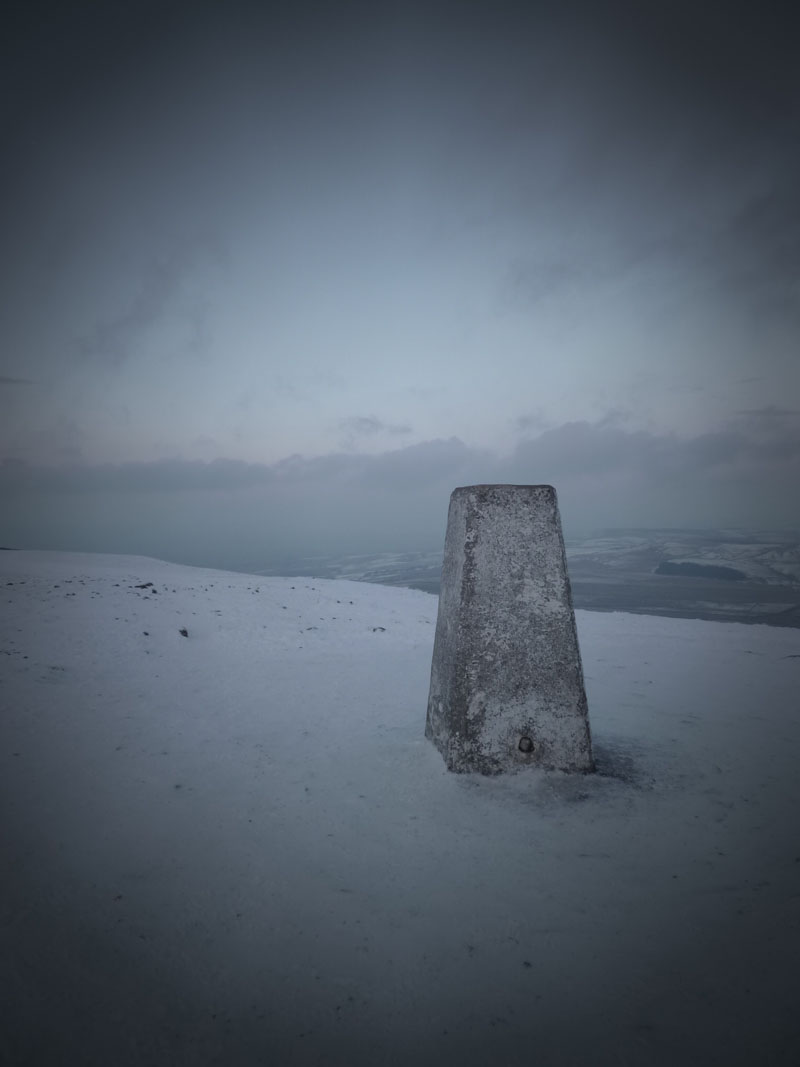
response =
{"points": [[507, 687]]}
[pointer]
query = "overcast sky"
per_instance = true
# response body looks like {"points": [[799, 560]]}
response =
{"points": [[364, 253]]}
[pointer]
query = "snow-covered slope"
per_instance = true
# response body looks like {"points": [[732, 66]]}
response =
{"points": [[235, 846]]}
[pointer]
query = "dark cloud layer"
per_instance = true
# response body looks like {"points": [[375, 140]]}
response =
{"points": [[228, 512], [578, 450]]}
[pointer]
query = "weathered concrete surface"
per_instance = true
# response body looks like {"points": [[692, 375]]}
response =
{"points": [[506, 679]]}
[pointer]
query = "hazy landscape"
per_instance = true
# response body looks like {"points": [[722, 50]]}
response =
{"points": [[725, 575]]}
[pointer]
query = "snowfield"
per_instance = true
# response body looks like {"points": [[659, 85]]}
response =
{"points": [[234, 846]]}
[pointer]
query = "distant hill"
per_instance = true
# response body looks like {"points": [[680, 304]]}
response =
{"points": [[726, 575], [701, 570]]}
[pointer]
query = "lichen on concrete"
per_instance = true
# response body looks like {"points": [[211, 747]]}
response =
{"points": [[507, 685]]}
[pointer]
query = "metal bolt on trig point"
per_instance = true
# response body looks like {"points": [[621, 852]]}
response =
{"points": [[525, 744]]}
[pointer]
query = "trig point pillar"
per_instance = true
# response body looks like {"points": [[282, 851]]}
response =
{"points": [[506, 679]]}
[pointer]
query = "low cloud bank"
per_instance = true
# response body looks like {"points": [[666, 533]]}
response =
{"points": [[232, 513]]}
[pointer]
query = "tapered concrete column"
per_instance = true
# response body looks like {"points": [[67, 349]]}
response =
{"points": [[506, 679]]}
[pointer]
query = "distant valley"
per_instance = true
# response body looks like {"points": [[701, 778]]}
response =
{"points": [[728, 575], [733, 575]]}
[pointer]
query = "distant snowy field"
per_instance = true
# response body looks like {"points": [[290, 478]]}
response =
{"points": [[236, 847]]}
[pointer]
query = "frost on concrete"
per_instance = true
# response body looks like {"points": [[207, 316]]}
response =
{"points": [[507, 685]]}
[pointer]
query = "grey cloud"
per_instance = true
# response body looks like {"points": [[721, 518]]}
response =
{"points": [[205, 442], [581, 448], [421, 467], [5, 380], [232, 513], [529, 282], [113, 340], [331, 471], [770, 411], [361, 425], [160, 476], [406, 470], [607, 476], [400, 470], [533, 420], [759, 251], [681, 156], [367, 425], [199, 332], [567, 452], [615, 417], [60, 437], [358, 427], [302, 385]]}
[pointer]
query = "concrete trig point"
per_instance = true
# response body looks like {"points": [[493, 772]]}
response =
{"points": [[506, 679]]}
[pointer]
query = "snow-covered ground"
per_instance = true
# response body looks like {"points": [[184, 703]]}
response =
{"points": [[236, 847]]}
